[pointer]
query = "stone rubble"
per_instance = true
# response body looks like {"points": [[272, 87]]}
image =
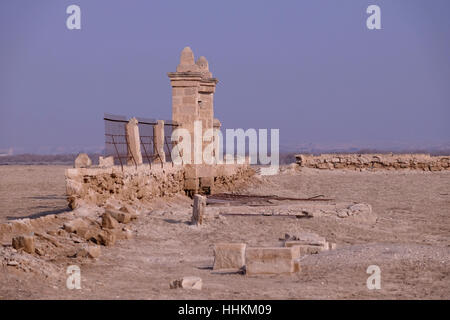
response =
{"points": [[190, 283], [423, 162], [235, 257]]}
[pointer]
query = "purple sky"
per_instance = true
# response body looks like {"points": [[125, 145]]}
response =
{"points": [[310, 68]]}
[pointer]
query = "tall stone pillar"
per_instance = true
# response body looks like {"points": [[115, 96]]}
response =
{"points": [[193, 90], [134, 143], [158, 141]]}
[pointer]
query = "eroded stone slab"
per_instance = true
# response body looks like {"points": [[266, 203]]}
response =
{"points": [[191, 282], [229, 256], [271, 260]]}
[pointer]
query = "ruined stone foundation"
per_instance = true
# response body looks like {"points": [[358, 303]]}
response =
{"points": [[97, 186], [423, 162]]}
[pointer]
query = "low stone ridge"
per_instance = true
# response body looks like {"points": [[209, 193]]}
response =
{"points": [[423, 162], [302, 210], [307, 243]]}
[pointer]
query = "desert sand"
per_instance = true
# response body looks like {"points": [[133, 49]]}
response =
{"points": [[407, 235]]}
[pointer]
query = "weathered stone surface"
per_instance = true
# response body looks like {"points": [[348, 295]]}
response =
{"points": [[297, 265], [119, 215], [89, 251], [127, 233], [107, 237], [134, 143], [198, 209], [306, 238], [158, 142], [269, 260], [96, 186], [304, 249], [82, 161], [133, 212], [39, 251], [109, 222], [24, 242], [229, 256], [187, 61], [105, 162], [76, 224], [423, 162], [87, 233], [203, 67], [191, 282]]}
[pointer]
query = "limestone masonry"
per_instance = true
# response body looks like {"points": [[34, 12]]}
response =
{"points": [[423, 162], [193, 90]]}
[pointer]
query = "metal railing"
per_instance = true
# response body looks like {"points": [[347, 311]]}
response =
{"points": [[117, 144]]}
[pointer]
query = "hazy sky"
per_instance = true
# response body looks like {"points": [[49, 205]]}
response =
{"points": [[310, 68]]}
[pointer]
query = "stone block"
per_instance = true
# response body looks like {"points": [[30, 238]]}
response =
{"points": [[207, 182], [24, 242], [297, 265], [229, 256], [191, 184], [121, 215], [82, 161], [89, 251], [106, 162], [190, 283], [205, 170], [198, 210], [269, 260], [184, 83], [74, 225], [107, 238], [108, 222]]}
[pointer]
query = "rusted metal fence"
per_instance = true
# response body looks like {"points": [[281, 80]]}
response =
{"points": [[117, 146], [169, 127]]}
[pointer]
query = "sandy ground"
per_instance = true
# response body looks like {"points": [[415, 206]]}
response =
{"points": [[31, 191], [409, 240]]}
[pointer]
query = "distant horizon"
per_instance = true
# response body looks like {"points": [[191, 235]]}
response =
{"points": [[284, 149]]}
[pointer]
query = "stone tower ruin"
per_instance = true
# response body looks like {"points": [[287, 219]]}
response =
{"points": [[193, 88]]}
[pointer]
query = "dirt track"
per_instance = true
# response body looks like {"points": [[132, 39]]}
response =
{"points": [[409, 241]]}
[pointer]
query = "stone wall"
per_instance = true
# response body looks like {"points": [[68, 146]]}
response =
{"points": [[97, 186], [423, 162]]}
